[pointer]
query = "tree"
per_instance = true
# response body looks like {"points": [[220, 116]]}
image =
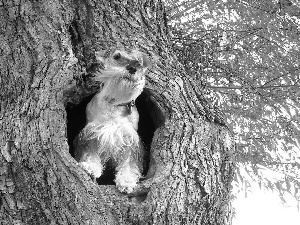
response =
{"points": [[245, 55], [47, 61]]}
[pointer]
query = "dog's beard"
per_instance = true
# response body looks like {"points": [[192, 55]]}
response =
{"points": [[124, 88]]}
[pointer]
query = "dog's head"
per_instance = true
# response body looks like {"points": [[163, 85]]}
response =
{"points": [[123, 74], [121, 64]]}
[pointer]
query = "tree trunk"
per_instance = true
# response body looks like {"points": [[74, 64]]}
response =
{"points": [[47, 53]]}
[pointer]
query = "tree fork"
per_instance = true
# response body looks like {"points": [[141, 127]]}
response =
{"points": [[47, 61]]}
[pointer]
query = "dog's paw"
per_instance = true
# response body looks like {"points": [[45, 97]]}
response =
{"points": [[127, 179], [95, 170], [126, 187]]}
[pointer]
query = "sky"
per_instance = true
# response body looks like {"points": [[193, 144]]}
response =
{"points": [[264, 208]]}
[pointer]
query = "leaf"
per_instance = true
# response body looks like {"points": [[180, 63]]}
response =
{"points": [[245, 56]]}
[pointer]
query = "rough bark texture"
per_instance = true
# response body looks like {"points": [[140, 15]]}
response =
{"points": [[47, 50]]}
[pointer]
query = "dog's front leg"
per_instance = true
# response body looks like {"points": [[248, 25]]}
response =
{"points": [[86, 155], [92, 164], [128, 175]]}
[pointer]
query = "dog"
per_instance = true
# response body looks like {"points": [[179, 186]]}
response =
{"points": [[112, 119]]}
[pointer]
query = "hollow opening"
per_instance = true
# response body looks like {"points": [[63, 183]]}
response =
{"points": [[150, 118]]}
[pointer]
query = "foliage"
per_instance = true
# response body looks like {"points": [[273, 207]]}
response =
{"points": [[245, 54]]}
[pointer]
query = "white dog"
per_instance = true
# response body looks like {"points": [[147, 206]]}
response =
{"points": [[112, 120]]}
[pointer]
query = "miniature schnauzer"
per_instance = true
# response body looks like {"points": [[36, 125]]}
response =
{"points": [[112, 120]]}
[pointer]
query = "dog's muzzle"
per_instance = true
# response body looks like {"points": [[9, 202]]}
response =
{"points": [[133, 66]]}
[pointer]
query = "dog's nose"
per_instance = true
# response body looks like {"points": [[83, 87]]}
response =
{"points": [[132, 66], [131, 69]]}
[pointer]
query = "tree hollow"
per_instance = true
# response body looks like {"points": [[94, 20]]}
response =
{"points": [[150, 118]]}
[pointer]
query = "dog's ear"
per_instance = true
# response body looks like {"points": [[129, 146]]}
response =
{"points": [[146, 62]]}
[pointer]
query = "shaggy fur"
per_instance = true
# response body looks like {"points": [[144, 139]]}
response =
{"points": [[112, 120]]}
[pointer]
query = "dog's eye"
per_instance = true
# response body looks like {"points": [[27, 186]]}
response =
{"points": [[117, 56]]}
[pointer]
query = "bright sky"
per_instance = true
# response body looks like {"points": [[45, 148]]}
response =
{"points": [[264, 208]]}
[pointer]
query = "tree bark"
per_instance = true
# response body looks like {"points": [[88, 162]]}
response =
{"points": [[47, 55]]}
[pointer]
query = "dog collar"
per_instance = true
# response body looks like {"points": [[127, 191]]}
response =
{"points": [[129, 106]]}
